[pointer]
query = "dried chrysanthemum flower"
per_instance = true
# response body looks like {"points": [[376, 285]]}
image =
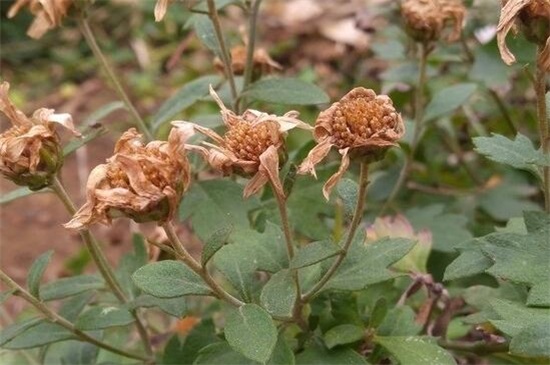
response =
{"points": [[30, 152], [400, 227], [143, 182], [534, 18], [250, 146], [426, 19], [48, 14], [262, 63], [361, 123]]}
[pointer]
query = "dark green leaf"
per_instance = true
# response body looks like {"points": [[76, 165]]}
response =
{"points": [[250, 331], [539, 295], [99, 318], [186, 96], [168, 279], [279, 294], [449, 99], [378, 313], [236, 263], [287, 91], [512, 317], [176, 307], [343, 334], [214, 243], [399, 321], [36, 271], [313, 253], [472, 261], [319, 355], [67, 287], [533, 340], [410, 350]]}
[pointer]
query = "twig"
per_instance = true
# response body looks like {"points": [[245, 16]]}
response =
{"points": [[55, 318], [183, 255], [357, 216]]}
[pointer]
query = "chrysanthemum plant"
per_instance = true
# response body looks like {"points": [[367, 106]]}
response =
{"points": [[275, 281]]}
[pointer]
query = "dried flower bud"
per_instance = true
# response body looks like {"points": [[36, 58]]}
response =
{"points": [[30, 153], [143, 182], [48, 14], [361, 123], [262, 63], [426, 19], [533, 17], [250, 146]]}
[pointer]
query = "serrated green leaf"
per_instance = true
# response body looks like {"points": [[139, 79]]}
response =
{"points": [[411, 350], [10, 332], [513, 317], [288, 91], [98, 318], [470, 262], [36, 271], [176, 307], [279, 294], [313, 253], [67, 287], [250, 331], [186, 96], [169, 279], [317, 355], [518, 153], [539, 295], [449, 99], [367, 264], [399, 321], [217, 201], [343, 334], [533, 340], [214, 243]]}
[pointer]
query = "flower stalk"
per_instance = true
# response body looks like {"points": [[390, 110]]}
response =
{"points": [[357, 216], [56, 318], [96, 50]]}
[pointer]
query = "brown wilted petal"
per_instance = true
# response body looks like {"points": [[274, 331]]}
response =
{"points": [[262, 63], [48, 14], [160, 9], [316, 155], [544, 57], [508, 16], [334, 179]]}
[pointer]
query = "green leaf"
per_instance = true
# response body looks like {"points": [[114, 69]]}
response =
{"points": [[98, 318], [319, 355], [286, 91], [313, 253], [67, 287], [250, 331], [19, 193], [86, 138], [343, 334], [180, 353], [347, 190], [214, 243], [447, 229], [449, 99], [367, 264], [470, 262], [536, 221], [42, 334], [399, 321], [103, 111], [186, 96], [71, 352], [36, 271], [130, 262], [539, 295], [221, 354], [217, 201], [533, 340], [236, 263], [519, 153], [176, 307], [168, 279], [204, 29], [10, 332], [410, 350], [279, 294], [513, 317], [378, 313]]}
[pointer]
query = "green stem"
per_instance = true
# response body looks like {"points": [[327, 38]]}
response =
{"points": [[226, 56], [56, 318], [101, 261], [249, 66], [419, 115], [357, 216], [503, 110], [186, 257], [92, 43], [540, 88]]}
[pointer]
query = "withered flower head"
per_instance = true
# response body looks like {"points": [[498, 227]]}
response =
{"points": [[30, 153], [48, 14], [361, 123], [533, 17], [143, 182], [262, 63], [250, 146], [425, 19]]}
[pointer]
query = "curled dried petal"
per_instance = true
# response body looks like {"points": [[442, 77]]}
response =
{"points": [[48, 14], [160, 9], [316, 155], [508, 17], [337, 176], [544, 57]]}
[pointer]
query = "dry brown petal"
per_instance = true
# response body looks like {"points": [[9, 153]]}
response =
{"points": [[508, 17], [262, 62], [316, 155], [160, 9], [48, 14], [544, 57], [334, 179], [255, 183], [454, 11], [16, 116]]}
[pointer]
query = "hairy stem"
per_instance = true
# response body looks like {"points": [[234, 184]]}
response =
{"points": [[357, 216], [419, 115], [186, 257], [225, 55], [540, 88], [107, 68], [56, 318], [101, 262]]}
